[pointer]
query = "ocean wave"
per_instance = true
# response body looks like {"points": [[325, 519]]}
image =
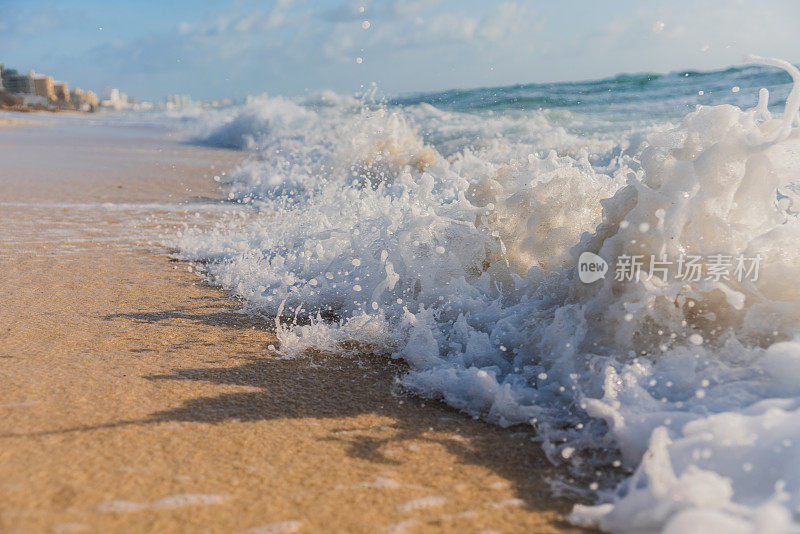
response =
{"points": [[452, 239]]}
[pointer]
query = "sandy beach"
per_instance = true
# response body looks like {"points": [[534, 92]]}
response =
{"points": [[136, 398]]}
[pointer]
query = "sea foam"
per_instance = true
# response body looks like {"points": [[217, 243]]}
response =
{"points": [[450, 239]]}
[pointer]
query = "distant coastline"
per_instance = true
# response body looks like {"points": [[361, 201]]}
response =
{"points": [[39, 92], [7, 105]]}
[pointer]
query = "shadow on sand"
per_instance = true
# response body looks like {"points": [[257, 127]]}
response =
{"points": [[338, 387], [321, 387]]}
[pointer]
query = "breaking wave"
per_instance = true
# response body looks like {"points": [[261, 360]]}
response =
{"points": [[440, 231]]}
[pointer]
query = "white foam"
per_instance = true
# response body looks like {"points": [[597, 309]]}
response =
{"points": [[166, 503], [433, 501], [459, 256]]}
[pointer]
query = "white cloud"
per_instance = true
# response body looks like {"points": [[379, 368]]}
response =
{"points": [[411, 8], [501, 28], [508, 21]]}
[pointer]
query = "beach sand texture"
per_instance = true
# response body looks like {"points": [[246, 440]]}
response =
{"points": [[135, 398]]}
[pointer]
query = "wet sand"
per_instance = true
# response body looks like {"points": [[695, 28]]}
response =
{"points": [[7, 122], [135, 398]]}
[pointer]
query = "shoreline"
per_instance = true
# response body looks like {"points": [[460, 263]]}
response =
{"points": [[138, 398], [6, 122], [54, 111]]}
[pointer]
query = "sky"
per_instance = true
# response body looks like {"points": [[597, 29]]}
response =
{"points": [[230, 48]]}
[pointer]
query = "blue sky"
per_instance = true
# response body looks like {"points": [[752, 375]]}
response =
{"points": [[217, 48]]}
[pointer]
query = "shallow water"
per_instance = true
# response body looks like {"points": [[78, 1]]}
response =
{"points": [[446, 229]]}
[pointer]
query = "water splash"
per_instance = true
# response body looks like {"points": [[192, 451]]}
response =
{"points": [[450, 239]]}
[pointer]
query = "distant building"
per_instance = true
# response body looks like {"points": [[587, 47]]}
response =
{"points": [[92, 99], [143, 106], [30, 99], [112, 98], [15, 82], [43, 86], [179, 101], [78, 100], [83, 100], [61, 91], [42, 91]]}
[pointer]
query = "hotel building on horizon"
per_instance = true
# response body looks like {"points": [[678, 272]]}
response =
{"points": [[41, 90]]}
